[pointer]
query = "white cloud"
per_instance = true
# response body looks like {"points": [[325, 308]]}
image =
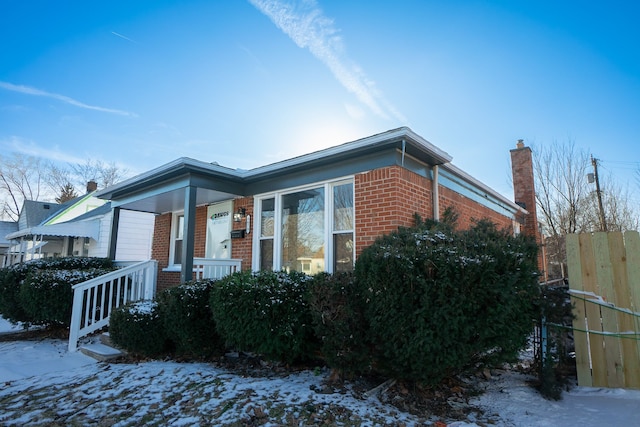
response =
{"points": [[37, 92], [30, 148], [354, 111], [305, 23]]}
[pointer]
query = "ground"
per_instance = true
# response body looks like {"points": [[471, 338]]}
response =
{"points": [[42, 384]]}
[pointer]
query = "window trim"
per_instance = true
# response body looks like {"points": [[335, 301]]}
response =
{"points": [[172, 264], [329, 232]]}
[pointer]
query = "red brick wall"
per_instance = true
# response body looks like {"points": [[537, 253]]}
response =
{"points": [[162, 244], [469, 210], [386, 199], [160, 249], [243, 248]]}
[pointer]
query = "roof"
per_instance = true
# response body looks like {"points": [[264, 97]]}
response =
{"points": [[164, 188], [87, 228], [85, 225], [7, 227], [69, 204], [34, 213]]}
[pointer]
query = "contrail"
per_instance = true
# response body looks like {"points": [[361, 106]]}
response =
{"points": [[305, 23], [37, 92], [123, 37]]}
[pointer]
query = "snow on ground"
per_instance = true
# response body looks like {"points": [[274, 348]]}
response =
{"points": [[43, 384]]}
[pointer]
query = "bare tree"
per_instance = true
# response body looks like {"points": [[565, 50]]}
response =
{"points": [[567, 202], [105, 174], [21, 178], [79, 174]]}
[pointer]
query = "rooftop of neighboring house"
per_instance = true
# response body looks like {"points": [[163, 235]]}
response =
{"points": [[33, 213], [6, 227]]}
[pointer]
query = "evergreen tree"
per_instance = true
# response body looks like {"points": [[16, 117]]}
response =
{"points": [[67, 192]]}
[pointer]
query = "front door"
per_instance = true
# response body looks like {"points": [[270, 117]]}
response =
{"points": [[219, 217]]}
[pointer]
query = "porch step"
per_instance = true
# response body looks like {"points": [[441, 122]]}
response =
{"points": [[105, 339], [101, 352]]}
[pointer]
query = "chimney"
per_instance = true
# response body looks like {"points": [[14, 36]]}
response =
{"points": [[524, 190], [91, 186]]}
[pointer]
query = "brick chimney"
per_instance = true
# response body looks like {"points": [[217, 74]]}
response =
{"points": [[524, 187], [91, 186]]}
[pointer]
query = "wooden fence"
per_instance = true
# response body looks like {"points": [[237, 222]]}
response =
{"points": [[604, 280]]}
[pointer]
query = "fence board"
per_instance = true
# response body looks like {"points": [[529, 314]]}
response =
{"points": [[574, 265], [632, 243], [630, 355], [604, 280], [594, 322], [604, 276]]}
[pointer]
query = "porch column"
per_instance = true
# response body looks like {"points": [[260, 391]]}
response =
{"points": [[113, 238], [188, 233]]}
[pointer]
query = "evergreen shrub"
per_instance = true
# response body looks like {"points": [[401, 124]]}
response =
{"points": [[188, 321], [138, 328], [47, 296], [12, 278], [10, 281], [438, 301], [265, 312], [339, 323]]}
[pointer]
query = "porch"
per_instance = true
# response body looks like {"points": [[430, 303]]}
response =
{"points": [[95, 299]]}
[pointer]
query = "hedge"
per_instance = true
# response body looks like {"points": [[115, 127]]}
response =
{"points": [[437, 301], [188, 320], [267, 313]]}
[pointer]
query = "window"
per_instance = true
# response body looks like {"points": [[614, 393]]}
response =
{"points": [[303, 237], [267, 216], [343, 227], [307, 229], [177, 230]]}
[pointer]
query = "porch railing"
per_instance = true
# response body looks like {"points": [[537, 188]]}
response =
{"points": [[94, 300], [209, 268]]}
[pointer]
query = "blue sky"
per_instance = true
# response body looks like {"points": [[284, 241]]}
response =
{"points": [[247, 83]]}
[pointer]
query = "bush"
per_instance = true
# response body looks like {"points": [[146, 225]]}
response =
{"points": [[266, 313], [339, 322], [10, 281], [188, 321], [555, 363], [438, 301], [12, 278], [138, 328], [47, 296]]}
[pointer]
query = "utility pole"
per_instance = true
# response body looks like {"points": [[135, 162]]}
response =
{"points": [[603, 222]]}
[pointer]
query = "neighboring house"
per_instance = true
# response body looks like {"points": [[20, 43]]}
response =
{"points": [[79, 227], [6, 227], [311, 213]]}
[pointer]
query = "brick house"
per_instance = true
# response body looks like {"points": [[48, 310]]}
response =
{"points": [[311, 213]]}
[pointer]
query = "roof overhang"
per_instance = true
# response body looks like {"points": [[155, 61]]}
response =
{"points": [[89, 228], [163, 189]]}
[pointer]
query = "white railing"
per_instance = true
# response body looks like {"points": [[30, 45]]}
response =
{"points": [[209, 268], [94, 299]]}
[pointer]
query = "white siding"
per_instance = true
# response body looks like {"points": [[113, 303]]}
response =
{"points": [[135, 234], [100, 248], [89, 204]]}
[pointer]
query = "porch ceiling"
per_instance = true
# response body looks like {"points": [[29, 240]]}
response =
{"points": [[172, 200]]}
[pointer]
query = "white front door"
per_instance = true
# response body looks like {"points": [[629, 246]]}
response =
{"points": [[219, 217]]}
